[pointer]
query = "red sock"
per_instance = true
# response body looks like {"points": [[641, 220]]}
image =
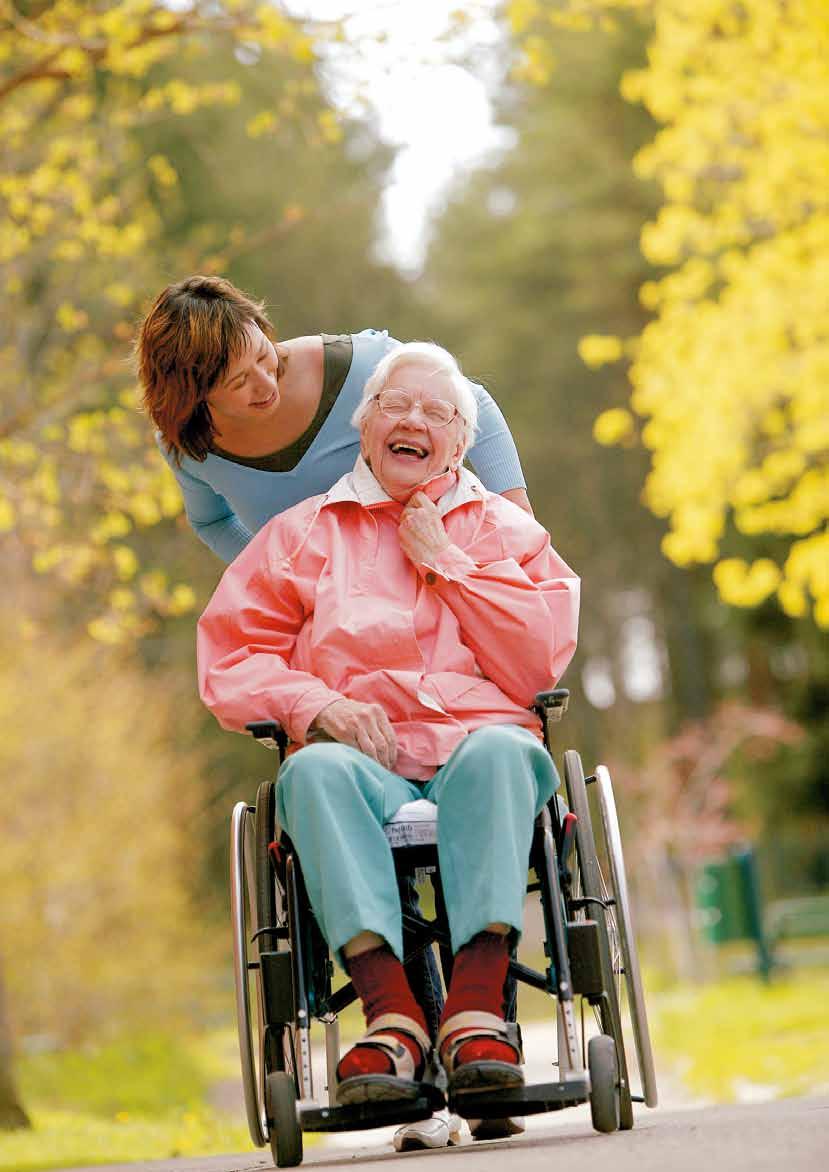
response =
{"points": [[478, 975], [382, 986]]}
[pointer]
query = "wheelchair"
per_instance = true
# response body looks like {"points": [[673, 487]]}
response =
{"points": [[283, 971]]}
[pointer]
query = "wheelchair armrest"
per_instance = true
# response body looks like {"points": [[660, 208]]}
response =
{"points": [[269, 733], [553, 704]]}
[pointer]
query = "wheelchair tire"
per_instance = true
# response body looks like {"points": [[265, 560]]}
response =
{"points": [[285, 1134], [627, 936], [245, 947], [594, 888], [604, 1083]]}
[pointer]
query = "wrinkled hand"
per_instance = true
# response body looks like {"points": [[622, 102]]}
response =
{"points": [[422, 535], [363, 726]]}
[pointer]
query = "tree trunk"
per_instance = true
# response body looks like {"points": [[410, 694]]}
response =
{"points": [[12, 1115]]}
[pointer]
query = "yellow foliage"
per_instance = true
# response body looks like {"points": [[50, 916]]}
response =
{"points": [[613, 426], [7, 515], [599, 349], [732, 374], [742, 585], [99, 858], [126, 563], [262, 123]]}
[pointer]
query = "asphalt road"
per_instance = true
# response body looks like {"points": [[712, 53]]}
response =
{"points": [[787, 1136]]}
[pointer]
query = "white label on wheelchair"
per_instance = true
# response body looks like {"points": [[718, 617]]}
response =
{"points": [[414, 824]]}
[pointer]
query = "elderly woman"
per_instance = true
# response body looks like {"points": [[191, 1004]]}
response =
{"points": [[412, 616]]}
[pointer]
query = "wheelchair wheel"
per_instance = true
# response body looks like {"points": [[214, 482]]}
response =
{"points": [[604, 1083], [627, 937], [246, 955], [591, 886], [284, 1131]]}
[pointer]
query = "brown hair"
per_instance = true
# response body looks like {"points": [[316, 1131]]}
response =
{"points": [[184, 346]]}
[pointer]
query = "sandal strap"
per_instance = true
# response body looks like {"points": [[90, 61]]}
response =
{"points": [[469, 1019], [463, 1027], [406, 1025], [399, 1055]]}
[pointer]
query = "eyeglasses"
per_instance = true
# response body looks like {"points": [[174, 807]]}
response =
{"points": [[396, 404]]}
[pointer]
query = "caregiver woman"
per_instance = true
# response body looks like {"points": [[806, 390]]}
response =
{"points": [[251, 427]]}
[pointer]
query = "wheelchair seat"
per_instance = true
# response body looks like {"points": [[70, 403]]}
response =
{"points": [[414, 824]]}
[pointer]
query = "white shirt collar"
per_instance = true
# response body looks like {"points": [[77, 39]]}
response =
{"points": [[362, 487]]}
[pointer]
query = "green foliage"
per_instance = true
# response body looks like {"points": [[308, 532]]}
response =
{"points": [[103, 920], [139, 1074], [739, 1035], [139, 1097]]}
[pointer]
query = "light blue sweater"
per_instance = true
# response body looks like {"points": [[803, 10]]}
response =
{"points": [[226, 503]]}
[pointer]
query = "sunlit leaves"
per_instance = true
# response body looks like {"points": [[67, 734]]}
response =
{"points": [[732, 375], [82, 226]]}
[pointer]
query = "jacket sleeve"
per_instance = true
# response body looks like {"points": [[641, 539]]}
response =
{"points": [[246, 638], [517, 614], [211, 517]]}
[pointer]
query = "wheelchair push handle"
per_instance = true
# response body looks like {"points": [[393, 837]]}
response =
{"points": [[269, 733], [553, 704]]}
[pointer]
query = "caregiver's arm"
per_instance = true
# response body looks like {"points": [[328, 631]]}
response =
{"points": [[210, 516], [494, 455]]}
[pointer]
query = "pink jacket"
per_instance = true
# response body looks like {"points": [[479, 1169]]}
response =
{"points": [[323, 603]]}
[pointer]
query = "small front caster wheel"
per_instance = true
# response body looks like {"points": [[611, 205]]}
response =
{"points": [[604, 1083], [284, 1132]]}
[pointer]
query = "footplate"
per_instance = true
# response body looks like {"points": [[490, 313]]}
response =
{"points": [[361, 1116], [532, 1100]]}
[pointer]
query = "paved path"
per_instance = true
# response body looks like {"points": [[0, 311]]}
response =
{"points": [[792, 1135], [679, 1136]]}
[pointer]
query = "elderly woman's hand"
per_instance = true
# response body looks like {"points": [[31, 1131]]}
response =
{"points": [[422, 535], [363, 726]]}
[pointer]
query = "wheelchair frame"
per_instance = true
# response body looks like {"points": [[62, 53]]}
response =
{"points": [[590, 945]]}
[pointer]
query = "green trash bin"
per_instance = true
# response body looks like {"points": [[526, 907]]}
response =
{"points": [[729, 904]]}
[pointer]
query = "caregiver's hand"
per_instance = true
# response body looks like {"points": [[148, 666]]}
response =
{"points": [[363, 726], [422, 535]]}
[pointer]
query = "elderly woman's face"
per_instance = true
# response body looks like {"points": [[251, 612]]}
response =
{"points": [[407, 451]]}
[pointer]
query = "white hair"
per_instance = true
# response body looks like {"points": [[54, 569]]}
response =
{"points": [[441, 362]]}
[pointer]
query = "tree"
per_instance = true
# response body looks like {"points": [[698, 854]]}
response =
{"points": [[82, 240], [730, 377], [531, 251]]}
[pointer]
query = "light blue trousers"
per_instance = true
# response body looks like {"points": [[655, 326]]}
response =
{"points": [[333, 801]]}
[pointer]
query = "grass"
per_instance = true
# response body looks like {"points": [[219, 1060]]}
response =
{"points": [[739, 1039], [136, 1099]]}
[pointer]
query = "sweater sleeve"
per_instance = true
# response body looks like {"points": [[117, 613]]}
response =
{"points": [[494, 455], [211, 517]]}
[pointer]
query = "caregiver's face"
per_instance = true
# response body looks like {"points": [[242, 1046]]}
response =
{"points": [[402, 437]]}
